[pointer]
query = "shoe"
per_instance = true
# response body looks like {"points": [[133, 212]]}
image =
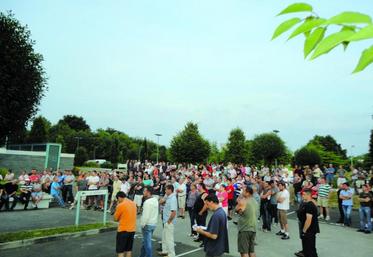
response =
{"points": [[360, 230], [321, 217], [299, 254], [235, 222], [71, 207], [367, 232], [162, 254], [280, 233], [229, 218], [285, 237], [197, 240], [327, 218], [159, 249], [202, 245]]}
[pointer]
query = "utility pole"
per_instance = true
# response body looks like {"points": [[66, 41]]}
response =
{"points": [[158, 135]]}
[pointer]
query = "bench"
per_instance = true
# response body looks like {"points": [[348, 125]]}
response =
{"points": [[43, 204]]}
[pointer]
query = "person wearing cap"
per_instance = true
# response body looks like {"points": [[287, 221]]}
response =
{"points": [[125, 214]]}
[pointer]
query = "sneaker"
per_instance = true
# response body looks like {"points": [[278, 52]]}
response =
{"points": [[280, 233], [367, 232], [285, 237], [321, 217], [162, 254], [327, 218], [299, 254], [360, 230]]}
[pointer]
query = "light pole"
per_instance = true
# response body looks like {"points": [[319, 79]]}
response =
{"points": [[276, 131], [352, 157], [77, 145], [158, 135]]}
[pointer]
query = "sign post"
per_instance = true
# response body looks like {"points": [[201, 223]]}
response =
{"points": [[79, 196]]}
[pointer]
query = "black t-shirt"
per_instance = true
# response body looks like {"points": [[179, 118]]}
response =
{"points": [[365, 195], [10, 188], [141, 190], [156, 188], [309, 208]]}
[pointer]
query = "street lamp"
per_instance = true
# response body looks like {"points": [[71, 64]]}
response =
{"points": [[77, 145], [276, 131], [158, 135]]}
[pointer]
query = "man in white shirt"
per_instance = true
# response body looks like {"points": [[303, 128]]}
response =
{"points": [[92, 182], [181, 197], [283, 206], [148, 221]]}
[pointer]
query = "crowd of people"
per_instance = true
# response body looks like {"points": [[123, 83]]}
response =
{"points": [[248, 196]]}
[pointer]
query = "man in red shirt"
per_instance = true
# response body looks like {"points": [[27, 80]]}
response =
{"points": [[34, 177], [230, 191]]}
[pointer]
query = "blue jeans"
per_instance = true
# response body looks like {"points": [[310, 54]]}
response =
{"points": [[329, 178], [59, 199], [364, 213], [146, 248], [347, 212]]}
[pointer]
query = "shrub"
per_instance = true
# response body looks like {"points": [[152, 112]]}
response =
{"points": [[3, 172]]}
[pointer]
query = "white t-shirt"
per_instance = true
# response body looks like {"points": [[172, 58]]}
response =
{"points": [[285, 204], [93, 179], [182, 186]]}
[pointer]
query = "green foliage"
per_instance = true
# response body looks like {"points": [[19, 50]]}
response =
{"points": [[3, 172], [237, 151], [27, 234], [307, 155], [267, 147], [189, 146], [314, 29], [91, 165], [22, 79], [75, 122], [107, 165], [285, 26], [81, 156], [39, 130], [297, 7], [216, 155], [369, 159], [329, 144]]}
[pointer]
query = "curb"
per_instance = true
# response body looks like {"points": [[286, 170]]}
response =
{"points": [[40, 240]]}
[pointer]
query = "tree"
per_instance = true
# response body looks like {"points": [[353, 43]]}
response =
{"points": [[370, 154], [236, 147], [345, 28], [22, 77], [329, 144], [189, 146], [267, 147], [75, 122], [39, 130], [215, 154], [81, 156], [307, 155]]}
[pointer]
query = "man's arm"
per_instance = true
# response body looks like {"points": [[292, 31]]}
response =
{"points": [[308, 222], [207, 234], [117, 214], [172, 216]]}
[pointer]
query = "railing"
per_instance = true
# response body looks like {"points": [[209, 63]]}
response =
{"points": [[28, 147]]}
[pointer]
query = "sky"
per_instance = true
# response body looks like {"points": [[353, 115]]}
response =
{"points": [[150, 66]]}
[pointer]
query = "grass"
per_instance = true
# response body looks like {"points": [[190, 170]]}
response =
{"points": [[27, 234]]}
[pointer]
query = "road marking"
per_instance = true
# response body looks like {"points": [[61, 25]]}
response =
{"points": [[289, 213], [192, 251]]}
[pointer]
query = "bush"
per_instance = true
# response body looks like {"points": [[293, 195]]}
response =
{"points": [[307, 155], [91, 165], [75, 171], [107, 165], [3, 172]]}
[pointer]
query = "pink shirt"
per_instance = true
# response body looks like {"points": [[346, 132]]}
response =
{"points": [[223, 195]]}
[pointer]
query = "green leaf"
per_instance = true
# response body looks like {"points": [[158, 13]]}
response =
{"points": [[312, 40], [306, 26], [349, 18], [345, 44], [365, 59], [297, 7], [330, 42], [364, 33], [285, 26]]}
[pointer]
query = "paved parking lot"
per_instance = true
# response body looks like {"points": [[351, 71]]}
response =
{"points": [[333, 240]]}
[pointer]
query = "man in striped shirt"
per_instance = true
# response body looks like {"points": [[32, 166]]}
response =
{"points": [[323, 198]]}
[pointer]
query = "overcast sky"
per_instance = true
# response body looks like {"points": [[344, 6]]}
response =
{"points": [[150, 66]]}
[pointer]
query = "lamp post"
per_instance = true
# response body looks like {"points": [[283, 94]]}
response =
{"points": [[77, 145], [276, 131], [158, 135]]}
